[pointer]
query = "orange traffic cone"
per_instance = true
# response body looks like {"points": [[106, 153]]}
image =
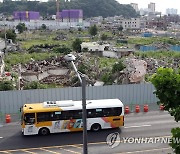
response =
{"points": [[127, 109], [8, 118], [146, 108], [137, 109]]}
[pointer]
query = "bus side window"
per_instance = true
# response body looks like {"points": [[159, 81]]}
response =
{"points": [[77, 114], [117, 111], [99, 113], [91, 113], [106, 112]]}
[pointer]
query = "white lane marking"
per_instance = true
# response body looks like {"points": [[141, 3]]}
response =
{"points": [[138, 126], [70, 151], [1, 137]]}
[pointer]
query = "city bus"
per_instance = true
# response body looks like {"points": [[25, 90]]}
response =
{"points": [[66, 116]]}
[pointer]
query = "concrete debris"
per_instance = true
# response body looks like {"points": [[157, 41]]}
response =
{"points": [[61, 37], [153, 64], [56, 70], [162, 46], [135, 70], [2, 65]]}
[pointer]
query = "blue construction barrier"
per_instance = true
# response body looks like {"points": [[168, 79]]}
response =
{"points": [[147, 48], [147, 34], [175, 48]]}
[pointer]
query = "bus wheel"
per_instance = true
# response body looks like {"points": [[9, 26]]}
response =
{"points": [[44, 131], [95, 127]]}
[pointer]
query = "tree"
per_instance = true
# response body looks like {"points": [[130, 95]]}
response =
{"points": [[103, 37], [167, 84], [10, 34], [120, 28], [77, 45], [21, 27], [43, 27], [93, 30]]}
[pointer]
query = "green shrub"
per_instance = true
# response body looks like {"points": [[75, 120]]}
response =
{"points": [[82, 68], [107, 78], [117, 67], [6, 85], [63, 50], [35, 85]]}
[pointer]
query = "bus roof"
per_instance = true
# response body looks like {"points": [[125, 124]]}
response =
{"points": [[92, 104], [72, 105], [38, 107]]}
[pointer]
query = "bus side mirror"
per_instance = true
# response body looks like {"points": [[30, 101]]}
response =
{"points": [[20, 109]]}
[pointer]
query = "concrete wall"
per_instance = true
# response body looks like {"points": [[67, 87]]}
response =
{"points": [[51, 24]]}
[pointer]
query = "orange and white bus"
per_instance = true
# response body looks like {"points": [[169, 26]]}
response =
{"points": [[66, 116]]}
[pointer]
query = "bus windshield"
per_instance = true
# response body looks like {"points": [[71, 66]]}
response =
{"points": [[29, 118]]}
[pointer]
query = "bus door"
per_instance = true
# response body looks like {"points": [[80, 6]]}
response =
{"points": [[29, 119]]}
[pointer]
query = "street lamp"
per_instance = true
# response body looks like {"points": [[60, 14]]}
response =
{"points": [[82, 79], [5, 33]]}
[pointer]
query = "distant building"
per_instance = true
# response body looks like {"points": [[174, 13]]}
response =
{"points": [[94, 46], [143, 12], [133, 23], [118, 52], [151, 7], [70, 16], [171, 11], [135, 6], [170, 18], [159, 24], [26, 15]]}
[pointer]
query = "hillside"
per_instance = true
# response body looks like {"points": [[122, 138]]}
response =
{"points": [[91, 8]]}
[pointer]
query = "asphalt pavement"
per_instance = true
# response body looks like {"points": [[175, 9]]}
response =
{"points": [[151, 125]]}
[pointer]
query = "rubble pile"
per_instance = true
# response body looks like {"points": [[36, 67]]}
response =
{"points": [[60, 37], [162, 46], [2, 65], [56, 70], [137, 68], [134, 72], [57, 79], [44, 65], [42, 48], [153, 64]]}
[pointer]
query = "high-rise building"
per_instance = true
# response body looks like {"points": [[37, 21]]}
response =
{"points": [[26, 15], [171, 11], [151, 7], [70, 15], [135, 6]]}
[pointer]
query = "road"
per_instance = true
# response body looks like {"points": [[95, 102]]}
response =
{"points": [[147, 125]]}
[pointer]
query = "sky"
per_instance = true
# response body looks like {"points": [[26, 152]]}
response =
{"points": [[161, 5]]}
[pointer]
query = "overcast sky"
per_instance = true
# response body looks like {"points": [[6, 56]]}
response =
{"points": [[161, 5]]}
